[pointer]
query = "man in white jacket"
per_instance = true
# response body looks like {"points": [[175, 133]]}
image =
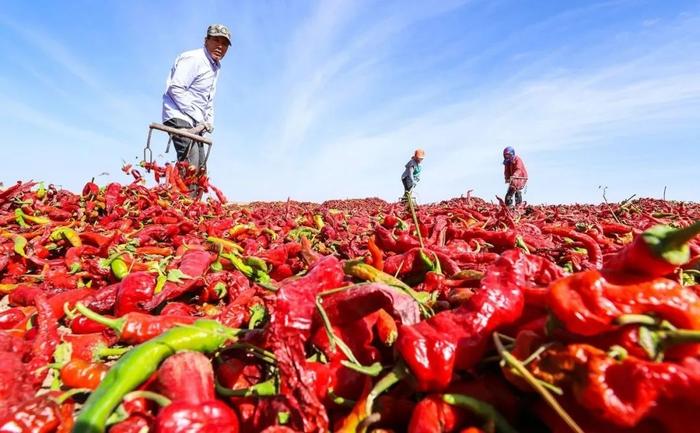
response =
{"points": [[188, 101]]}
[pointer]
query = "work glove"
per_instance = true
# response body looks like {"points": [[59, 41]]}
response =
{"points": [[208, 127]]}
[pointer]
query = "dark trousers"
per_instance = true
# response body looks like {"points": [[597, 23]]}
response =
{"points": [[509, 196], [187, 150], [407, 183]]}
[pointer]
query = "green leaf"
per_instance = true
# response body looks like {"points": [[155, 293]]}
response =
{"points": [[176, 276]]}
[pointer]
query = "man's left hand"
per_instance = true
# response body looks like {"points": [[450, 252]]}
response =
{"points": [[208, 127]]}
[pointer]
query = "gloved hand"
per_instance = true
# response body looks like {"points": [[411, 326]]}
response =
{"points": [[208, 127]]}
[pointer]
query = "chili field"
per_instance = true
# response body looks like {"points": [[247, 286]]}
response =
{"points": [[127, 308]]}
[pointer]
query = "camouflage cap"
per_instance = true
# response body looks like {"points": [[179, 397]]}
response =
{"points": [[219, 30]]}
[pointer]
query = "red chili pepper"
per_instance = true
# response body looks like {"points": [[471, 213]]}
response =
{"points": [[386, 328], [185, 417], [37, 415], [45, 342], [432, 415], [595, 255], [587, 303], [88, 346], [193, 265], [376, 253], [68, 299], [178, 309], [78, 373], [135, 289], [457, 338], [134, 424], [155, 251], [657, 252], [82, 325], [289, 328], [188, 379], [136, 328], [10, 318], [98, 240], [624, 392], [187, 376]]}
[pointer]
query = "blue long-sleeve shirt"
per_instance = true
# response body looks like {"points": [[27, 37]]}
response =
{"points": [[412, 170], [190, 88]]}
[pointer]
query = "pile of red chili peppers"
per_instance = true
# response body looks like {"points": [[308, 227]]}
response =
{"points": [[133, 308]]}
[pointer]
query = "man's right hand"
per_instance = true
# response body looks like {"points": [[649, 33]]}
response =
{"points": [[197, 129]]}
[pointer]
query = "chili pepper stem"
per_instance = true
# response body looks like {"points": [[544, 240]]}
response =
{"points": [[267, 388], [480, 408], [333, 339], [371, 370], [340, 401], [678, 336], [70, 393], [636, 319], [678, 238], [520, 368], [393, 377], [260, 353], [115, 324], [160, 399]]}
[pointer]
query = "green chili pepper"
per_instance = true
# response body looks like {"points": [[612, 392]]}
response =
{"points": [[140, 363], [20, 242], [257, 263], [68, 234], [119, 268], [22, 217], [225, 244]]}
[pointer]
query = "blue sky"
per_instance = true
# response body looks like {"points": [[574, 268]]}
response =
{"points": [[328, 98]]}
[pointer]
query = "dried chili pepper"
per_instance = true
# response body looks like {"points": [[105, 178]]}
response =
{"points": [[658, 251], [11, 317], [587, 303], [36, 415], [135, 328], [376, 254], [88, 347], [433, 348], [192, 268], [595, 255], [136, 288], [187, 378]]}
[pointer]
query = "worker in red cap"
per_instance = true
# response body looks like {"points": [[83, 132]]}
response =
{"points": [[411, 175], [515, 174]]}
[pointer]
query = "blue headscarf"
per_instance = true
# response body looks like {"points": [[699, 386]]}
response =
{"points": [[508, 155]]}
